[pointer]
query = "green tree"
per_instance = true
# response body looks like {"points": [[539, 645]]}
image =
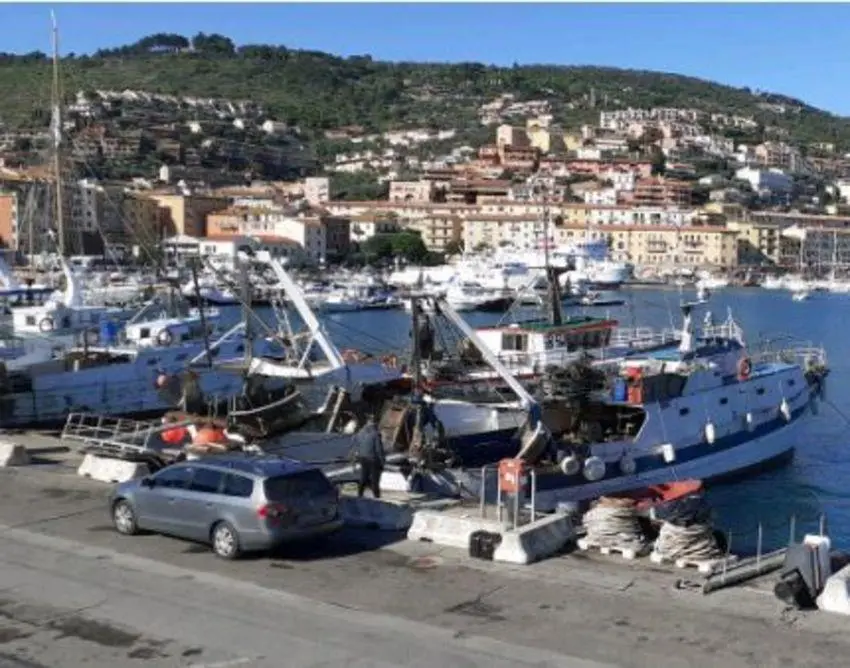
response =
{"points": [[409, 245], [378, 247]]}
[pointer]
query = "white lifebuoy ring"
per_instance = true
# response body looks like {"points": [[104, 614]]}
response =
{"points": [[165, 338], [46, 325]]}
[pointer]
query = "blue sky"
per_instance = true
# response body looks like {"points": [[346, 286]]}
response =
{"points": [[797, 49]]}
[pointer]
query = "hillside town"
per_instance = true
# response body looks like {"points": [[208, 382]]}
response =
{"points": [[665, 188]]}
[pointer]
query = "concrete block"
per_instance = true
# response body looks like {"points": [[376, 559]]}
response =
{"points": [[376, 513], [835, 596], [535, 541], [107, 469], [13, 454], [447, 528]]}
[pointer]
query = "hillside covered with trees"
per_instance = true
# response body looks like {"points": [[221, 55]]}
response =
{"points": [[319, 91]]}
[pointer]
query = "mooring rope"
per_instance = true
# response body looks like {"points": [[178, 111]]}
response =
{"points": [[613, 523], [695, 542]]}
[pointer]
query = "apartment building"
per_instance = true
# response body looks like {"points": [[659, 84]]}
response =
{"points": [[411, 191], [495, 230], [508, 135], [187, 214], [438, 230], [144, 218], [366, 225], [656, 191], [9, 220], [787, 239]]}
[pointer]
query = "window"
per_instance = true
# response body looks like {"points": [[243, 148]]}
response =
{"points": [[238, 485], [174, 478], [760, 391], [145, 333], [724, 401], [31, 320], [309, 484], [206, 481], [684, 411], [791, 382]]}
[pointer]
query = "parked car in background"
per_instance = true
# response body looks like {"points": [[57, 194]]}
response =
{"points": [[236, 503]]}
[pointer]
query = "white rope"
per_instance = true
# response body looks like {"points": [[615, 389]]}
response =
{"points": [[613, 525], [695, 542]]}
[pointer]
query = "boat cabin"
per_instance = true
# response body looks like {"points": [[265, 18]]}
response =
{"points": [[168, 331], [56, 318], [538, 345]]}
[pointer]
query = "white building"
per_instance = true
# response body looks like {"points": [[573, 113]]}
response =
{"points": [[774, 180], [317, 189], [607, 196]]}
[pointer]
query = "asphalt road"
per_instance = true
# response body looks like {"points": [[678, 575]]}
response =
{"points": [[72, 592]]}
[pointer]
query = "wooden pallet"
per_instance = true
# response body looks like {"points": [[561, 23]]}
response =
{"points": [[702, 566], [628, 552]]}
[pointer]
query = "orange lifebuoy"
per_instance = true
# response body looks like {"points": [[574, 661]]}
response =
{"points": [[745, 368]]}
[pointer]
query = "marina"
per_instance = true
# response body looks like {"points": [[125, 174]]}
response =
{"points": [[564, 384]]}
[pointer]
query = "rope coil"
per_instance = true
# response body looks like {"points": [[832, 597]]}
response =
{"points": [[614, 523], [694, 542]]}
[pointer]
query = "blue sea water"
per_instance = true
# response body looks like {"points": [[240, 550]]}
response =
{"points": [[816, 482]]}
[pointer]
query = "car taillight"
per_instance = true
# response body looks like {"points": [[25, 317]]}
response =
{"points": [[274, 512]]}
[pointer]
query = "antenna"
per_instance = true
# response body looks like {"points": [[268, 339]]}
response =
{"points": [[56, 122]]}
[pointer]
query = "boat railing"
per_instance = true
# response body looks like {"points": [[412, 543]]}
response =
{"points": [[806, 356], [726, 330], [642, 337]]}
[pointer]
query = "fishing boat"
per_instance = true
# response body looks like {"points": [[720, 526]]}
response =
{"points": [[708, 407]]}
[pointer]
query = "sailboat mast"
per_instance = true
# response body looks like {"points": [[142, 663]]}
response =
{"points": [[56, 120]]}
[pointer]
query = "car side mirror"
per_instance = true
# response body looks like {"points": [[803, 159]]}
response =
{"points": [[148, 481]]}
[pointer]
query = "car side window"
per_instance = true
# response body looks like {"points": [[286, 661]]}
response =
{"points": [[238, 485], [206, 481], [174, 478]]}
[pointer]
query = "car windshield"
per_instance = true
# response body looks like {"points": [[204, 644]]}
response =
{"points": [[298, 485]]}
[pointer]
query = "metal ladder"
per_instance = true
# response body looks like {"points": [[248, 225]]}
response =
{"points": [[118, 437]]}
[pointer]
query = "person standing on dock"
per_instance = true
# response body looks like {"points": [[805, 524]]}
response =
{"points": [[369, 451]]}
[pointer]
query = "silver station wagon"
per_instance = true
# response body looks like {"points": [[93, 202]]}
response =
{"points": [[236, 503]]}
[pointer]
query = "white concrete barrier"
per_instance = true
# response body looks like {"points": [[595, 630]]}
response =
{"points": [[13, 454], [535, 541], [376, 513], [449, 529], [835, 596], [107, 469]]}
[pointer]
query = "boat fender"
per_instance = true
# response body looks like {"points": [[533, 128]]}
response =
{"points": [[745, 368], [785, 410], [165, 338], [748, 419], [46, 325], [594, 469], [628, 465], [570, 465], [710, 433]]}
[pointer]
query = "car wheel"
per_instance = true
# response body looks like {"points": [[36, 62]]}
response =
{"points": [[124, 518], [225, 541]]}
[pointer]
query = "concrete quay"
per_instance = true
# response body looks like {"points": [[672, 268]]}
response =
{"points": [[74, 592]]}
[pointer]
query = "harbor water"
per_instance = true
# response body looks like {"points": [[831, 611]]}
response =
{"points": [[816, 481]]}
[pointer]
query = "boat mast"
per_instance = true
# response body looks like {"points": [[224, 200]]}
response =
{"points": [[553, 288], [56, 120]]}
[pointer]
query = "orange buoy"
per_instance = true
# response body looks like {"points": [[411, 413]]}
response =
{"points": [[175, 435], [209, 436]]}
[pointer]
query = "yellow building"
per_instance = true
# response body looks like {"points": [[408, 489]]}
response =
{"points": [[187, 214], [438, 230]]}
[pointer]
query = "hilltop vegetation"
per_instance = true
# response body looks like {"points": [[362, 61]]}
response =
{"points": [[318, 91]]}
